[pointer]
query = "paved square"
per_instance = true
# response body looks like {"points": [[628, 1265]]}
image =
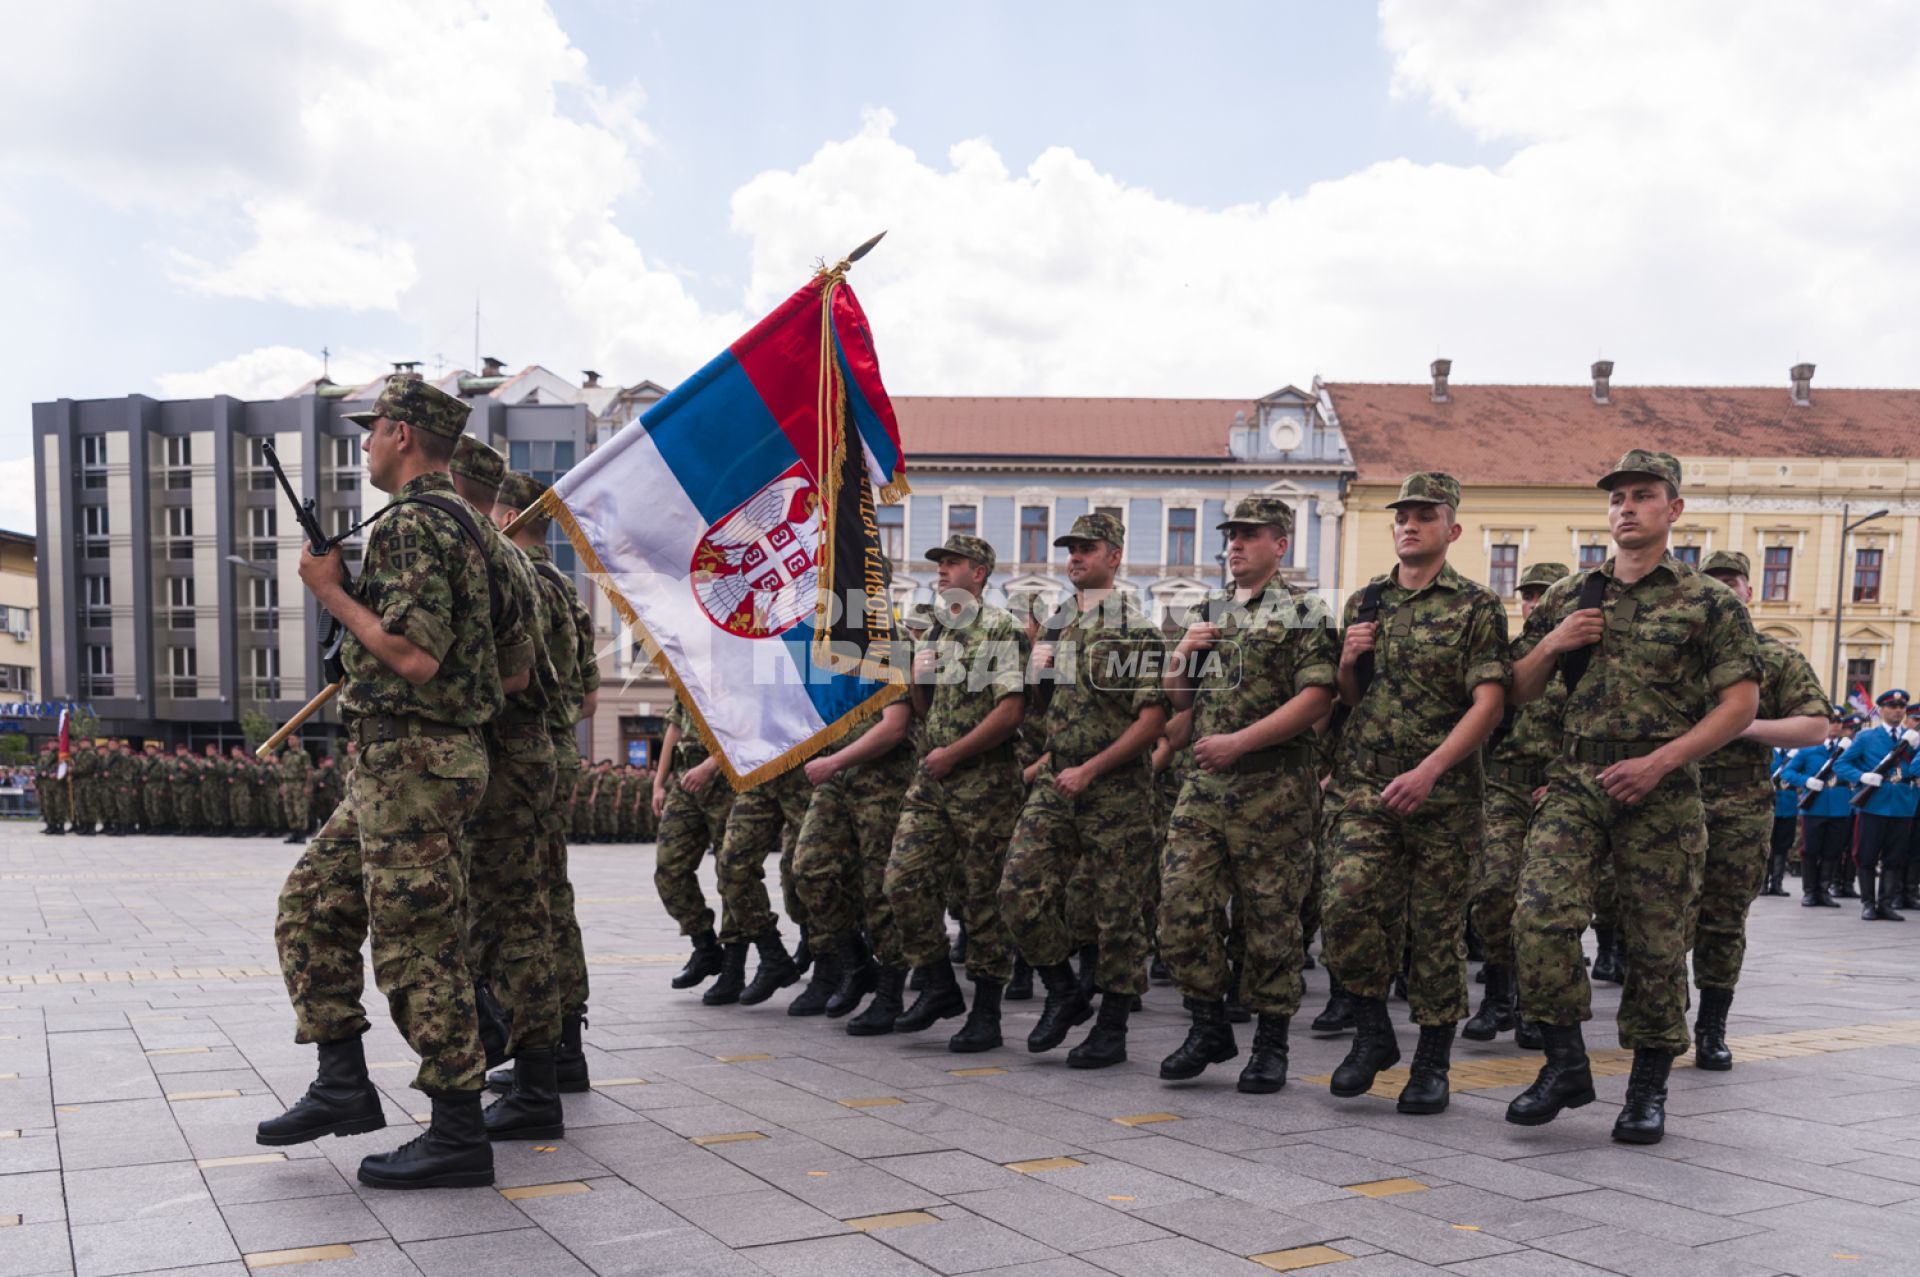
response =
{"points": [[144, 1030]]}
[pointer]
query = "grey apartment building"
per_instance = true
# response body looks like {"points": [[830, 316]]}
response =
{"points": [[168, 566]]}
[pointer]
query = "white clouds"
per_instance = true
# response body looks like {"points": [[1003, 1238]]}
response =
{"points": [[267, 373], [307, 257]]}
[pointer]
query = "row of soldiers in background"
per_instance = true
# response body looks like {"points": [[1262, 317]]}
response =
{"points": [[1606, 768], [611, 804], [112, 789], [1816, 788]]}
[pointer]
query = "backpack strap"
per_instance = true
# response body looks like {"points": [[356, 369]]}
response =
{"points": [[501, 608], [1366, 614], [1573, 666]]}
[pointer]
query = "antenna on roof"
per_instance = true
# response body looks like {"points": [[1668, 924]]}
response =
{"points": [[326, 364], [476, 332]]}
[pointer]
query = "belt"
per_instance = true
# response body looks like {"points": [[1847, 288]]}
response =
{"points": [[1606, 752], [1528, 775], [1001, 753], [375, 729], [1378, 764], [532, 729], [1731, 777], [1287, 756]]}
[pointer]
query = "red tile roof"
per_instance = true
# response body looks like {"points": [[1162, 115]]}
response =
{"points": [[1013, 426], [1558, 434]]}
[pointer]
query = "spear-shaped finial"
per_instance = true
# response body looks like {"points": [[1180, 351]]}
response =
{"points": [[865, 248]]}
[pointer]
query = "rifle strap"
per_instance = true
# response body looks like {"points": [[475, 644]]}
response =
{"points": [[1573, 666], [1366, 614], [498, 600], [1040, 695]]}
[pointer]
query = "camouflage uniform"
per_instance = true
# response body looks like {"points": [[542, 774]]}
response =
{"points": [[1248, 833], [386, 862], [214, 784], [606, 793], [296, 804], [52, 790], [1653, 676], [689, 825], [183, 778], [156, 800], [240, 794], [840, 857], [126, 771], [1433, 647], [756, 828], [329, 787], [81, 766]]}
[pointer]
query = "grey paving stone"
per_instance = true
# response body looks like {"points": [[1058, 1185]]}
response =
{"points": [[618, 1232], [32, 1151], [103, 1065], [310, 1221], [34, 1196], [120, 1133], [1664, 1220], [852, 1191], [1818, 1180], [948, 1172], [963, 1243], [1509, 1179], [495, 1255], [1465, 1206], [166, 1240], [1329, 1165], [111, 1194], [1234, 1226], [868, 1137], [853, 1256], [1057, 1218], [757, 1218], [1664, 1180], [1265, 1186], [1405, 1232], [30, 1249], [1825, 1254], [1171, 1257], [1123, 1184], [1527, 1264], [447, 1212], [274, 1181], [518, 1162], [1635, 1254]]}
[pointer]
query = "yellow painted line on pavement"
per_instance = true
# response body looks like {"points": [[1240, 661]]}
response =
{"points": [[874, 1102], [176, 1097], [731, 1137], [1147, 1119], [892, 1219], [1287, 1261], [245, 1159], [1042, 1164], [531, 1191], [303, 1255]]}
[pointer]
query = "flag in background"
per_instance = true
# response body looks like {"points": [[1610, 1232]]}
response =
{"points": [[732, 527], [65, 749], [1861, 700]]}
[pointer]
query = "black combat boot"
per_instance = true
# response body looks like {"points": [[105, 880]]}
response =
{"points": [[294, 837], [1813, 885], [1157, 972], [957, 952], [1527, 1035], [813, 999], [1106, 1045], [1266, 1069], [981, 1032], [1209, 1041], [1869, 902], [803, 954], [858, 975], [1840, 873], [570, 1058], [531, 1110], [1565, 1081], [1426, 1089], [1237, 1012], [1066, 1006], [1496, 1012], [1020, 988], [1889, 895], [1606, 956], [940, 1000], [775, 972], [1338, 1015], [725, 991], [1710, 1031], [884, 1010], [1776, 875], [705, 961], [1643, 1118], [452, 1152], [341, 1101], [495, 1029], [1374, 1049]]}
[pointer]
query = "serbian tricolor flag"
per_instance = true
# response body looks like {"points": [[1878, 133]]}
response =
{"points": [[732, 526], [65, 744], [1862, 701]]}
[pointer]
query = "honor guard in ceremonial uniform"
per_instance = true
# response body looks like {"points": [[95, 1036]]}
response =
{"points": [[1826, 812], [1661, 670], [1257, 670], [425, 669], [1736, 787], [1090, 801], [1883, 760], [691, 800], [1910, 880], [969, 691], [1786, 821], [52, 789], [1423, 663], [1518, 752], [296, 772]]}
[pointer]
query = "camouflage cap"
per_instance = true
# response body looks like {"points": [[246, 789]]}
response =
{"points": [[1543, 575], [1661, 465], [1096, 527], [422, 406], [477, 462], [1429, 487], [520, 491], [966, 547], [1260, 510], [1728, 561]]}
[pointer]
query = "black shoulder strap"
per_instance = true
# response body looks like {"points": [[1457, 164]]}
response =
{"points": [[1040, 693], [553, 574], [1367, 613], [1573, 666], [498, 600]]}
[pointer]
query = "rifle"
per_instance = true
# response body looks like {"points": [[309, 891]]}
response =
{"points": [[332, 633], [1901, 752], [1824, 776]]}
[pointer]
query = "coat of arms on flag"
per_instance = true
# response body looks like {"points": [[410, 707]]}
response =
{"points": [[732, 527]]}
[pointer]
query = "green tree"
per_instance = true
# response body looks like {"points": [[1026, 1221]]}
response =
{"points": [[255, 727], [14, 749]]}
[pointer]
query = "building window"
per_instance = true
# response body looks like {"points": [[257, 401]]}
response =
{"points": [[264, 596], [16, 678], [93, 461], [180, 602], [183, 673], [178, 455], [963, 520], [266, 673], [98, 595], [1776, 578], [346, 463], [1182, 528], [1592, 556], [1866, 575], [1689, 555], [263, 524], [892, 522], [1504, 576], [17, 621], [1860, 676], [95, 528], [547, 460], [1033, 534], [98, 664], [258, 475], [179, 532]]}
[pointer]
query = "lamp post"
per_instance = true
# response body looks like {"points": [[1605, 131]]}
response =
{"points": [[1840, 593]]}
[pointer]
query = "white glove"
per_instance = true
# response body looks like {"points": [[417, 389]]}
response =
{"points": [[1910, 738], [1872, 780], [1844, 741], [1815, 784]]}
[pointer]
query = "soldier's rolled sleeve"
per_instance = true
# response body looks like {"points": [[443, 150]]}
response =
{"points": [[1731, 654], [1004, 664], [1546, 614], [1487, 654], [1318, 664]]}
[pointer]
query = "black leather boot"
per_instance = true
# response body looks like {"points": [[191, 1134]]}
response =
{"points": [[1643, 1119], [531, 1110], [452, 1152], [1776, 875], [819, 991], [495, 1029], [1209, 1041], [1374, 1049], [1869, 902], [1266, 1070], [957, 953], [341, 1101], [1840, 873], [1065, 1007], [803, 954], [1495, 1015], [1338, 1015], [570, 1057], [858, 975], [1020, 988], [1889, 894], [1426, 1089], [1813, 884], [1710, 1031], [1527, 1035], [888, 987], [940, 1000], [981, 1032], [704, 962], [1565, 1080], [725, 991], [1157, 972], [1106, 1045], [1237, 1012], [775, 972], [1606, 956], [295, 837]]}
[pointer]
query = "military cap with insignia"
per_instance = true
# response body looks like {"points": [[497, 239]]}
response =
{"points": [[1643, 462], [520, 491], [1096, 527], [1893, 696], [1732, 562], [477, 462], [419, 404], [1541, 575], [966, 547], [1259, 510], [1429, 487]]}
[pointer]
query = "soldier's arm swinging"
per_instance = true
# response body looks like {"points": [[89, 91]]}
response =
{"points": [[1787, 733], [1001, 722], [324, 576], [1408, 791], [1126, 748], [1734, 709], [895, 721], [1294, 718]]}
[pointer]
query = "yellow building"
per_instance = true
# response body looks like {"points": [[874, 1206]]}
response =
{"points": [[19, 611], [1772, 472]]}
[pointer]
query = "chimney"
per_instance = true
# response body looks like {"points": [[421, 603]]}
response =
{"points": [[491, 367], [1440, 369], [1802, 375], [1602, 380], [407, 368], [593, 378]]}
